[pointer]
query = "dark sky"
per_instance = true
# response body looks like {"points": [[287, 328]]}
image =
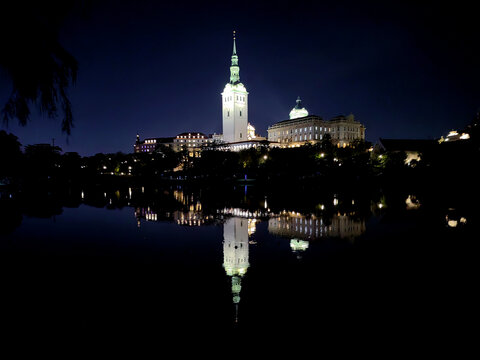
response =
{"points": [[404, 70]]}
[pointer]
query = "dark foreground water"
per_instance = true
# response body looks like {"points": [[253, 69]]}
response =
{"points": [[152, 264]]}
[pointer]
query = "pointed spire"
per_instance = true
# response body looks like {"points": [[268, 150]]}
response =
{"points": [[234, 68], [234, 45]]}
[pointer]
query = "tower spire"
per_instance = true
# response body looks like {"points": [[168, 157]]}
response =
{"points": [[234, 68], [234, 45]]}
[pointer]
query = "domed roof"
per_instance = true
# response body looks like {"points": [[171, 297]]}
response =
{"points": [[298, 111]]}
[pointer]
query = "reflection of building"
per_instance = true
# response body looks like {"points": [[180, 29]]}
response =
{"points": [[235, 253], [303, 128], [295, 225]]}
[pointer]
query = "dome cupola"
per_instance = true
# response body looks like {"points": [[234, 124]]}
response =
{"points": [[298, 111]]}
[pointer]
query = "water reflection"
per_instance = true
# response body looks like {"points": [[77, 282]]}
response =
{"points": [[299, 230], [309, 226], [235, 254]]}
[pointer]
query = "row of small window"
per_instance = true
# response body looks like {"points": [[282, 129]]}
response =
{"points": [[303, 138], [190, 136], [286, 132], [237, 97], [344, 128], [191, 140]]}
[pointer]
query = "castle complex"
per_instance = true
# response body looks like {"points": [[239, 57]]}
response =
{"points": [[239, 134]]}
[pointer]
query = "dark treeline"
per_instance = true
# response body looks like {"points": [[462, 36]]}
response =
{"points": [[361, 164]]}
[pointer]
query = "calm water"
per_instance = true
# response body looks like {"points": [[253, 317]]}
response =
{"points": [[136, 261]]}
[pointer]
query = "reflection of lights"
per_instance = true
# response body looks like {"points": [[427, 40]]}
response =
{"points": [[452, 223], [412, 203], [252, 226], [129, 192]]}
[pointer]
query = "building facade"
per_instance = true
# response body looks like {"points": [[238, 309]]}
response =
{"points": [[193, 142], [303, 128], [150, 145]]}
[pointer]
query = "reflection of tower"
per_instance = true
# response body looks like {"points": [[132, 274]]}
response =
{"points": [[235, 254], [299, 246]]}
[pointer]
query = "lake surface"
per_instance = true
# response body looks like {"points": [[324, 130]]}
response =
{"points": [[139, 261]]}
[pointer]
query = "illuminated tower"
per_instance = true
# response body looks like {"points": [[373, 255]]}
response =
{"points": [[235, 104], [235, 254]]}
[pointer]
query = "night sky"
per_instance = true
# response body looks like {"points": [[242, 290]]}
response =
{"points": [[404, 70]]}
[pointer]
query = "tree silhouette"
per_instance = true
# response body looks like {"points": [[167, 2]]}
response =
{"points": [[39, 68]]}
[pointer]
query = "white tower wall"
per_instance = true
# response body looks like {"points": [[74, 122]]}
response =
{"points": [[235, 113]]}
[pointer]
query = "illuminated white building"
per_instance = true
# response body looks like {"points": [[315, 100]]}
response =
{"points": [[238, 133], [302, 128], [235, 104]]}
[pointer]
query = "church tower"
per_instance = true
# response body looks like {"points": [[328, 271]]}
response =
{"points": [[235, 104]]}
